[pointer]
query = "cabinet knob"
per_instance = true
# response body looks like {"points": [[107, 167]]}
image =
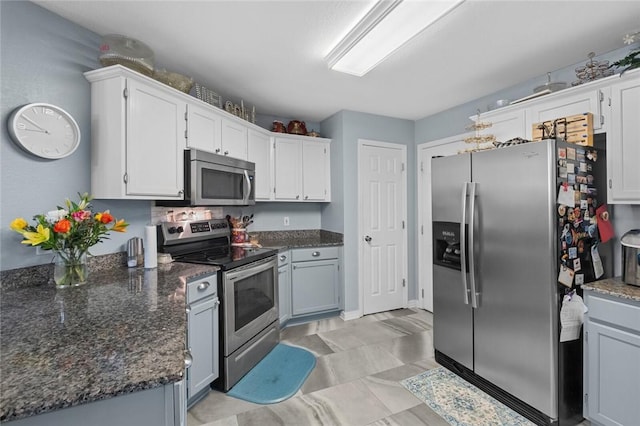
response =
{"points": [[306, 197], [181, 192], [315, 254], [217, 150], [203, 286], [367, 238], [297, 197], [226, 153], [283, 257]]}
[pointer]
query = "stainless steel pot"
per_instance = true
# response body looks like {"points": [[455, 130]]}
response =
{"points": [[631, 257]]}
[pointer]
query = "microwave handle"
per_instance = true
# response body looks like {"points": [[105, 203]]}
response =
{"points": [[247, 186]]}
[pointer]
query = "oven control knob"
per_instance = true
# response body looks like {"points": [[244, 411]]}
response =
{"points": [[180, 229], [172, 230]]}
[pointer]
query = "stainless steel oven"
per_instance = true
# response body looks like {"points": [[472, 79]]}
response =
{"points": [[247, 288], [250, 309], [215, 180]]}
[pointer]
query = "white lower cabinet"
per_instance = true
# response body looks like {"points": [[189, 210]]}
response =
{"points": [[202, 336], [315, 280], [612, 360], [623, 141], [284, 287]]}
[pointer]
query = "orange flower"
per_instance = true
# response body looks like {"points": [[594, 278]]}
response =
{"points": [[120, 226], [62, 226], [105, 217]]}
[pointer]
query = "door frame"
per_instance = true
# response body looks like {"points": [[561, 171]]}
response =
{"points": [[424, 229], [405, 246]]}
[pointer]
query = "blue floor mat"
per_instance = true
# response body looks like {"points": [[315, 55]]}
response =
{"points": [[277, 377]]}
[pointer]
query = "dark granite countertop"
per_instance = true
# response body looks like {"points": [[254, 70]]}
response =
{"points": [[614, 287], [122, 331], [285, 240]]}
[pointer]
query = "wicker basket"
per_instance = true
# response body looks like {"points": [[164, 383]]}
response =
{"points": [[173, 79]]}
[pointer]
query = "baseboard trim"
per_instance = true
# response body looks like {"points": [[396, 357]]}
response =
{"points": [[350, 315], [413, 303]]}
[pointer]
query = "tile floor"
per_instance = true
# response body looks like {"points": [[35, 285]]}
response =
{"points": [[355, 381]]}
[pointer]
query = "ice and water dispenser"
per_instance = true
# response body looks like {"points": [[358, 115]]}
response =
{"points": [[446, 244]]}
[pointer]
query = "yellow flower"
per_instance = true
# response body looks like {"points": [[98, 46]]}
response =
{"points": [[18, 225], [41, 235], [120, 226]]}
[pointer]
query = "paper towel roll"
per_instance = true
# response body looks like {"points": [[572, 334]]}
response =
{"points": [[150, 247]]}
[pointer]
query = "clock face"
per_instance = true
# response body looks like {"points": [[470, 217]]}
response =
{"points": [[44, 130]]}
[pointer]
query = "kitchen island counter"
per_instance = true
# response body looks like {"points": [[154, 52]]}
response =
{"points": [[123, 331], [614, 287]]}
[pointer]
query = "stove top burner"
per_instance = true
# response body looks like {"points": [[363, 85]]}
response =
{"points": [[206, 242]]}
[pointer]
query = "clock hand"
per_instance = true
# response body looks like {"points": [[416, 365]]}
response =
{"points": [[35, 130], [35, 124]]}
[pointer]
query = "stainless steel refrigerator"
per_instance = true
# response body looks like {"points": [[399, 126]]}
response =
{"points": [[497, 254]]}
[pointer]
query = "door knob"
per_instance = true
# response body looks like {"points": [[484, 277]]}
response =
{"points": [[367, 238]]}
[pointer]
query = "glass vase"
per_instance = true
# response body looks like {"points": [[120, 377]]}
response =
{"points": [[70, 268]]}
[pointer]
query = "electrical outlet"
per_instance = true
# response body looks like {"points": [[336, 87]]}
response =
{"points": [[286, 221]]}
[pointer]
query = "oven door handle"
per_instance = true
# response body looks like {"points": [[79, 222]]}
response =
{"points": [[251, 269]]}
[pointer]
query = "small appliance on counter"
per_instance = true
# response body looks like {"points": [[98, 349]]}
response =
{"points": [[631, 257]]}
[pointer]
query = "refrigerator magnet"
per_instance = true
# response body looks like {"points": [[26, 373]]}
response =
{"points": [[562, 153], [598, 270], [583, 167], [573, 252], [579, 279], [562, 210], [565, 277], [584, 204], [571, 178], [571, 153], [576, 265]]}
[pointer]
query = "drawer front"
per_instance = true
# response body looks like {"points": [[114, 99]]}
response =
{"points": [[615, 312], [202, 287], [317, 253], [284, 258]]}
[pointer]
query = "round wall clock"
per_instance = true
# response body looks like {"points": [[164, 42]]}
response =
{"points": [[44, 130]]}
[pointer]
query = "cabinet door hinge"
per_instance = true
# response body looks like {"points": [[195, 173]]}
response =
{"points": [[422, 229], [186, 112], [125, 93], [403, 224], [125, 178], [422, 166], [586, 336], [403, 167], [325, 150], [601, 95], [186, 134], [423, 293], [404, 282], [602, 120]]}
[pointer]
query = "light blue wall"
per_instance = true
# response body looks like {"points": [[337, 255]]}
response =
{"points": [[349, 127], [43, 58]]}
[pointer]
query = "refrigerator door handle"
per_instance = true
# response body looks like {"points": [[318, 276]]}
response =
{"points": [[472, 263], [463, 244]]}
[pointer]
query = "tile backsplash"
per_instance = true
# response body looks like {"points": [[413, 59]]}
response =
{"points": [[167, 214]]}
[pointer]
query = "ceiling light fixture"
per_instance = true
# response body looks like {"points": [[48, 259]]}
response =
{"points": [[385, 28]]}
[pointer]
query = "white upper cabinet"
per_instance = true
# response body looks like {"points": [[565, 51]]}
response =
{"points": [[141, 127], [203, 128], [316, 179], [623, 140], [302, 169], [505, 124], [137, 137], [288, 169], [260, 152], [234, 139], [562, 104]]}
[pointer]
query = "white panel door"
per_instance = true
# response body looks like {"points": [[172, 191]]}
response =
{"points": [[288, 169], [234, 139], [382, 194], [448, 146]]}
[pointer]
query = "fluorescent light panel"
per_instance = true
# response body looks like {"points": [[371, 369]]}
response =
{"points": [[383, 30]]}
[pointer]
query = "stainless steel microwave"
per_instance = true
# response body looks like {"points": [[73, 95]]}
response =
{"points": [[215, 180]]}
